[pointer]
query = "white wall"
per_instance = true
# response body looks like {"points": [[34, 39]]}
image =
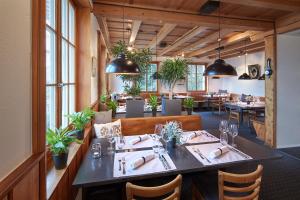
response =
{"points": [[288, 91], [94, 42], [233, 85], [15, 84]]}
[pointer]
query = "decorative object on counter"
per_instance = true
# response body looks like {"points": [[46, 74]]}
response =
{"points": [[171, 71], [79, 121], [245, 76], [112, 105], [171, 133], [59, 141], [254, 71], [153, 102], [262, 77], [268, 71], [220, 68], [188, 104]]}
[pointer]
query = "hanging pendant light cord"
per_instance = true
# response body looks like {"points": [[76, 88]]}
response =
{"points": [[245, 55], [219, 38]]}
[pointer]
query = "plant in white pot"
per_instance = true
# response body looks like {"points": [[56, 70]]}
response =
{"points": [[58, 141], [171, 71]]}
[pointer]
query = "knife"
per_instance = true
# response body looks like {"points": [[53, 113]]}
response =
{"points": [[240, 153], [201, 155], [168, 165], [163, 163]]}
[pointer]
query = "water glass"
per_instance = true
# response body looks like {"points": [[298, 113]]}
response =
{"points": [[121, 142], [234, 131], [96, 150], [111, 139]]}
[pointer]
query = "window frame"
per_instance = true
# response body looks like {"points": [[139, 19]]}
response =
{"points": [[146, 81], [206, 79], [59, 84]]}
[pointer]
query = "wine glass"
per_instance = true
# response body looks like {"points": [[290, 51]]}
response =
{"points": [[234, 131], [223, 127], [156, 136], [111, 139], [165, 137]]}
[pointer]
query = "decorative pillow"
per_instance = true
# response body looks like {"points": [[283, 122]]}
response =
{"points": [[103, 117], [102, 130]]}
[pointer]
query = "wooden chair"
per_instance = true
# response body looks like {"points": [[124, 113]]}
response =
{"points": [[173, 189], [219, 105], [249, 192], [254, 115], [235, 115]]}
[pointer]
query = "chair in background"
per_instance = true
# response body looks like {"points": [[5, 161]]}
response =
{"points": [[219, 105], [171, 107], [172, 189], [134, 108], [250, 191], [257, 114], [235, 115]]}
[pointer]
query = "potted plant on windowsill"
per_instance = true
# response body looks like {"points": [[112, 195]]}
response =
{"points": [[153, 101], [79, 121], [59, 141], [112, 105], [188, 103], [173, 70], [172, 132]]}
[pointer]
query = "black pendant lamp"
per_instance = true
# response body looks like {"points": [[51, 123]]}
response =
{"points": [[220, 68], [245, 76], [122, 65]]}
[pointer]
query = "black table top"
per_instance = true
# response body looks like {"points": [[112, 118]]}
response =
{"points": [[96, 172]]}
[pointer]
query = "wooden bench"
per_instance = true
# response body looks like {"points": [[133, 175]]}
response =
{"points": [[135, 126]]}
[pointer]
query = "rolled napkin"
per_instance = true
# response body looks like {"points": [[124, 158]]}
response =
{"points": [[218, 152], [142, 160], [138, 139], [192, 135]]}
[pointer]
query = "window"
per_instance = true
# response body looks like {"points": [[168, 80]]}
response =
{"points": [[195, 80], [60, 62], [148, 84]]}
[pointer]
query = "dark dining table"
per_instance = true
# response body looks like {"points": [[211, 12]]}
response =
{"points": [[244, 107], [96, 175]]}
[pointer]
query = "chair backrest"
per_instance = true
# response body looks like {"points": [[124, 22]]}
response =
{"points": [[249, 192], [142, 125], [171, 107], [135, 108], [173, 189]]}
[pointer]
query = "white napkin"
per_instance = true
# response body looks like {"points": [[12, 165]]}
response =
{"points": [[192, 135], [142, 160], [139, 139], [218, 152]]}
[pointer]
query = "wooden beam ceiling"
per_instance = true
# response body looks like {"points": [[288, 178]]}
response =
{"points": [[134, 31], [178, 18], [163, 32], [184, 38], [286, 5], [105, 33], [230, 40], [203, 41]]}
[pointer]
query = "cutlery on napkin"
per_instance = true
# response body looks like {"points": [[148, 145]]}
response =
{"points": [[218, 152], [192, 135], [142, 160], [139, 139]]}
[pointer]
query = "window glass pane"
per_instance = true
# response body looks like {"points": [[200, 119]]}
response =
{"points": [[64, 61], [151, 83], [64, 18], [50, 13], [71, 99], [50, 107], [50, 57], [71, 24], [192, 78], [200, 77], [71, 64], [64, 103]]}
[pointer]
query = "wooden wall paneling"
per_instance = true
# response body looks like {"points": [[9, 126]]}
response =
{"points": [[270, 92], [73, 167], [83, 58]]}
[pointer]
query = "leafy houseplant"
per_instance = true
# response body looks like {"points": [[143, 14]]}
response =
{"points": [[173, 70], [189, 104], [79, 121], [142, 57], [153, 101], [112, 105], [172, 131], [102, 100], [134, 90], [59, 141]]}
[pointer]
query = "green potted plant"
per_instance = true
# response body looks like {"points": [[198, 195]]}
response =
{"points": [[153, 101], [171, 71], [112, 105], [188, 103], [134, 90], [79, 121], [59, 141], [102, 102], [172, 132]]}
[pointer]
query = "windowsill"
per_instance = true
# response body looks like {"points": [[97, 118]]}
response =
{"points": [[54, 176]]}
